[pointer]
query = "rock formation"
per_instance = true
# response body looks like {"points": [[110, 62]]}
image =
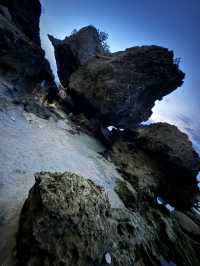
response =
{"points": [[75, 50], [26, 16], [21, 57], [67, 220], [159, 160], [119, 89]]}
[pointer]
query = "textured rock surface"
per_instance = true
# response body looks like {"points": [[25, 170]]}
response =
{"points": [[21, 57], [187, 224], [171, 144], [65, 221], [159, 160], [123, 89], [75, 50], [68, 220], [119, 89], [26, 16]]}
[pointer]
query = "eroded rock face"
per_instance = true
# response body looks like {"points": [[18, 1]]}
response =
{"points": [[68, 220], [75, 50], [26, 16], [21, 57], [187, 224], [159, 160], [119, 89], [123, 89], [171, 144], [64, 220]]}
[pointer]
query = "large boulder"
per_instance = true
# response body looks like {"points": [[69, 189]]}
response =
{"points": [[172, 146], [121, 89], [22, 59], [62, 219], [75, 50], [159, 160], [68, 220], [118, 88]]}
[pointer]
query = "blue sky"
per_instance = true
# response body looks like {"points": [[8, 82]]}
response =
{"points": [[173, 24]]}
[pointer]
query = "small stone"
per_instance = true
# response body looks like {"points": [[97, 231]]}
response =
{"points": [[108, 258]]}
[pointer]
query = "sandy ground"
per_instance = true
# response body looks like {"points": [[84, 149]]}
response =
{"points": [[29, 144]]}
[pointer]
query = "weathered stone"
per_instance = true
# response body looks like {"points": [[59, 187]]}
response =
{"points": [[67, 220], [75, 50], [26, 16], [159, 160], [122, 90], [119, 89], [178, 161], [170, 144], [187, 224], [127, 194], [21, 57]]}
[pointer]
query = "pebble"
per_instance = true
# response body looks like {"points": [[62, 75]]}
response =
{"points": [[108, 258], [12, 118]]}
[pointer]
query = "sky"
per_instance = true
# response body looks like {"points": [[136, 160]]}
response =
{"points": [[174, 24]]}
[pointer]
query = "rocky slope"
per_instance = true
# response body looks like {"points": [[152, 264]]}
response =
{"points": [[100, 210]]}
